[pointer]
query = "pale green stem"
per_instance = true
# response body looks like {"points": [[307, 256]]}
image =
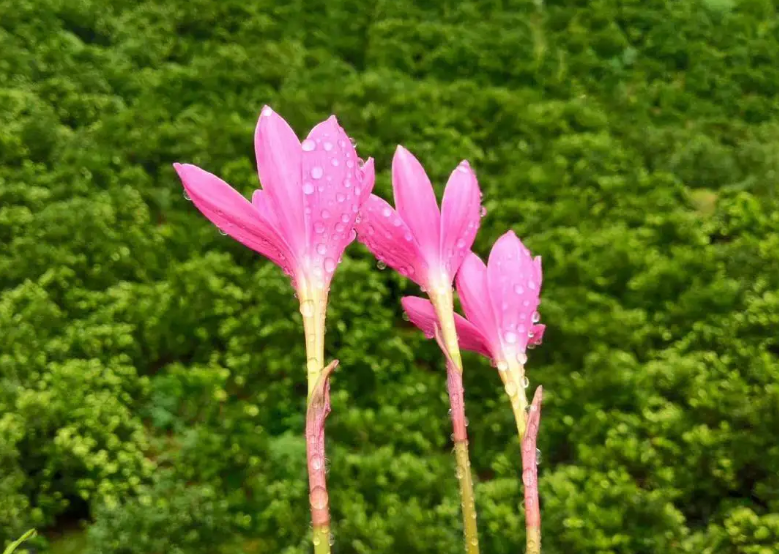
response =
{"points": [[444, 305], [313, 306]]}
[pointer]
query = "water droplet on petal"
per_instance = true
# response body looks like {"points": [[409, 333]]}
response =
{"points": [[381, 265], [316, 172], [312, 365], [340, 197], [329, 265], [502, 366], [510, 337], [483, 211], [222, 232], [538, 456], [321, 248], [345, 218], [325, 214], [408, 236], [328, 146], [349, 163], [354, 142], [519, 289], [511, 388], [308, 145], [525, 382], [186, 196], [536, 317], [335, 162], [460, 243], [522, 358], [386, 212], [308, 188], [266, 111], [531, 285]]}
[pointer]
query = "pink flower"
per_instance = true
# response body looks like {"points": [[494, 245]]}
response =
{"points": [[303, 217], [421, 242], [500, 301]]}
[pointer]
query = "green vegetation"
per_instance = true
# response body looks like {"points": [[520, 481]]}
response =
{"points": [[147, 380]]}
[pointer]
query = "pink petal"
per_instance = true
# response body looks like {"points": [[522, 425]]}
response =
{"points": [[261, 203], [460, 216], [279, 165], [513, 281], [538, 335], [416, 204], [334, 185], [422, 314], [234, 215], [475, 299], [381, 229]]}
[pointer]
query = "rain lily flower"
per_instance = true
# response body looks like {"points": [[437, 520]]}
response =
{"points": [[500, 301], [428, 245], [302, 219]]}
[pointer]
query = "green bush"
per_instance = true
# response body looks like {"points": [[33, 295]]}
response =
{"points": [[149, 385]]}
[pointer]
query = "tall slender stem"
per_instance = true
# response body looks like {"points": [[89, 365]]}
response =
{"points": [[530, 476], [313, 305], [444, 305]]}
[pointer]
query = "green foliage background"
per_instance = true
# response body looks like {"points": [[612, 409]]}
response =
{"points": [[148, 380]]}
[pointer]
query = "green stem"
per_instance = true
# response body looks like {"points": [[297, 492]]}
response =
{"points": [[444, 306], [313, 306]]}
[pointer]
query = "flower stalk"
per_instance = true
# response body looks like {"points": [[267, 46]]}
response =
{"points": [[530, 475], [313, 304], [447, 340]]}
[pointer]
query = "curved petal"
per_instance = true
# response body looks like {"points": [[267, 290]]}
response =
{"points": [[334, 184], [385, 234], [512, 278], [416, 203], [279, 164], [460, 216], [234, 215], [261, 203], [422, 314], [475, 298], [536, 334]]}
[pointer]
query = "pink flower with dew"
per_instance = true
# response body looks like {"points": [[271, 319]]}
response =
{"points": [[416, 239], [303, 217], [500, 301]]}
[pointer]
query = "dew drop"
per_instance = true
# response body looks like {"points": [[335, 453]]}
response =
{"points": [[308, 188], [340, 197], [510, 337], [329, 265], [307, 308], [340, 227], [316, 462], [349, 163], [458, 472], [331, 539], [536, 317], [317, 541], [381, 265], [345, 218], [511, 388], [316, 172], [519, 289], [538, 456], [408, 236], [325, 214], [321, 248], [328, 146], [308, 145], [312, 365], [335, 162], [318, 498], [522, 358], [460, 243], [186, 196], [531, 285], [483, 211], [354, 142], [386, 212], [319, 227], [525, 382], [502, 366], [474, 541], [222, 232], [266, 111]]}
